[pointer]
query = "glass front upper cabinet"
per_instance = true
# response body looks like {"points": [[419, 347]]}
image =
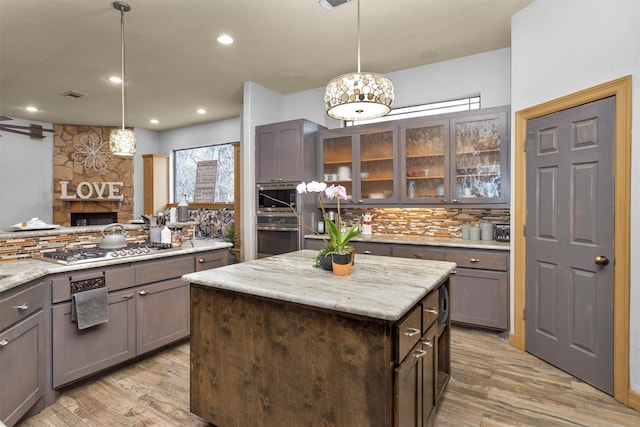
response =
{"points": [[479, 164], [364, 161], [425, 156], [455, 160]]}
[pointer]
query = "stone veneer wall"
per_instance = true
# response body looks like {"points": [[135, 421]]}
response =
{"points": [[431, 222], [81, 154]]}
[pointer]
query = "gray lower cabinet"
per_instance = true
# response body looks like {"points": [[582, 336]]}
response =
{"points": [[148, 306], [22, 352], [480, 288], [209, 260], [79, 353]]}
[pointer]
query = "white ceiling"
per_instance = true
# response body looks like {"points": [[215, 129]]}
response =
{"points": [[175, 66]]}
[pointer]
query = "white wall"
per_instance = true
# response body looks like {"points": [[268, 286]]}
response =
{"points": [[26, 175], [559, 47]]}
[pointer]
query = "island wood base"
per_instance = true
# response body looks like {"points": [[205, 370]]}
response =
{"points": [[262, 362], [259, 362]]}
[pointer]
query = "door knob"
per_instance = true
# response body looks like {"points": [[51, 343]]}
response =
{"points": [[601, 260]]}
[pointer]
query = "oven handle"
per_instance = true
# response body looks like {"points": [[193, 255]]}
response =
{"points": [[268, 228]]}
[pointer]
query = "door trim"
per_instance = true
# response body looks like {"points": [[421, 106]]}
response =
{"points": [[621, 89]]}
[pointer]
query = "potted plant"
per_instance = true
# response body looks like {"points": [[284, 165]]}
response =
{"points": [[337, 246], [230, 236]]}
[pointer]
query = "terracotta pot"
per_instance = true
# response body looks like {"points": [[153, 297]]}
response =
{"points": [[342, 264]]}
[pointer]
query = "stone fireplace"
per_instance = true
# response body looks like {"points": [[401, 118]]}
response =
{"points": [[87, 177]]}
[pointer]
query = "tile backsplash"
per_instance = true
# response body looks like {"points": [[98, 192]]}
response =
{"points": [[432, 222]]}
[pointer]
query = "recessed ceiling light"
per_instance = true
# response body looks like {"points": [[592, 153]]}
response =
{"points": [[201, 111], [115, 79], [225, 39], [154, 121], [31, 108]]}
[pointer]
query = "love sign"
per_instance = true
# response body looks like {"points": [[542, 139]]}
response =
{"points": [[87, 191]]}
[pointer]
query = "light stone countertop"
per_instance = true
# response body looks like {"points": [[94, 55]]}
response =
{"points": [[378, 287], [454, 242], [16, 273]]}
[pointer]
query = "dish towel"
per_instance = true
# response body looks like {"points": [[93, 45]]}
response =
{"points": [[90, 308]]}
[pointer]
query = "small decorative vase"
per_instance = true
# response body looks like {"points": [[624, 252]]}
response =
{"points": [[325, 262], [342, 264]]}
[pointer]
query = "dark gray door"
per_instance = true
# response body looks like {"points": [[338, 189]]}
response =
{"points": [[569, 230]]}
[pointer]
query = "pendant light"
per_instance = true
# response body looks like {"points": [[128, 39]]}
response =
{"points": [[358, 96], [122, 142]]}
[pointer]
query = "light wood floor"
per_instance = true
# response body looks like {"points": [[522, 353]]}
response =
{"points": [[492, 384]]}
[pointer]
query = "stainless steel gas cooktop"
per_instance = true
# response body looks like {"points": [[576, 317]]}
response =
{"points": [[85, 255]]}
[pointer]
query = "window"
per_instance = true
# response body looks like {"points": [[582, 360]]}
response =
{"points": [[463, 104], [194, 164]]}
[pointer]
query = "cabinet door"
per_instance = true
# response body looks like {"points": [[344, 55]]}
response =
{"points": [[425, 161], [408, 389], [377, 155], [480, 298], [337, 161], [266, 154], [21, 368], [279, 152], [429, 375], [479, 165], [162, 314], [78, 353]]}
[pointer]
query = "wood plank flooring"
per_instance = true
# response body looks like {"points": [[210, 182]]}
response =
{"points": [[492, 384]]}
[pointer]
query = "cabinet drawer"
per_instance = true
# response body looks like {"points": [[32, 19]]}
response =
{"points": [[430, 311], [314, 244], [408, 332], [485, 260], [167, 268], [417, 252], [21, 305], [208, 260], [367, 248]]}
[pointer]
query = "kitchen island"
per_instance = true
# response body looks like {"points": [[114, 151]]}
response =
{"points": [[278, 342]]}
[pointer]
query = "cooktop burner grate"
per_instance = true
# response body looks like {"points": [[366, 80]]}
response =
{"points": [[83, 255]]}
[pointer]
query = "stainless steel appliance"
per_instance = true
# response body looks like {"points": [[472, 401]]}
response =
{"points": [[278, 233], [86, 255], [281, 213], [503, 232], [278, 197]]}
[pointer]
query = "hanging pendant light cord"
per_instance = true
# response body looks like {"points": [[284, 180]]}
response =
{"points": [[358, 36], [122, 59]]}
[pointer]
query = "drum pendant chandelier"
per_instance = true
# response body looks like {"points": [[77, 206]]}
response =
{"points": [[358, 96], [122, 142]]}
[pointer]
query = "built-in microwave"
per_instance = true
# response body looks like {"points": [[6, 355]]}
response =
{"points": [[278, 197]]}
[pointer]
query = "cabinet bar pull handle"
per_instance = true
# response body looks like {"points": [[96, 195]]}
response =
{"points": [[127, 296], [367, 252], [143, 292], [431, 310], [21, 307], [455, 200], [474, 260], [201, 260], [4, 342], [428, 342], [419, 353], [412, 331]]}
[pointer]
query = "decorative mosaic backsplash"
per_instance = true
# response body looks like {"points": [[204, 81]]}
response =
{"points": [[211, 223], [432, 222], [21, 247]]}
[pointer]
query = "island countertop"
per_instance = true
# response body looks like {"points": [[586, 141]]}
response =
{"points": [[378, 287]]}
